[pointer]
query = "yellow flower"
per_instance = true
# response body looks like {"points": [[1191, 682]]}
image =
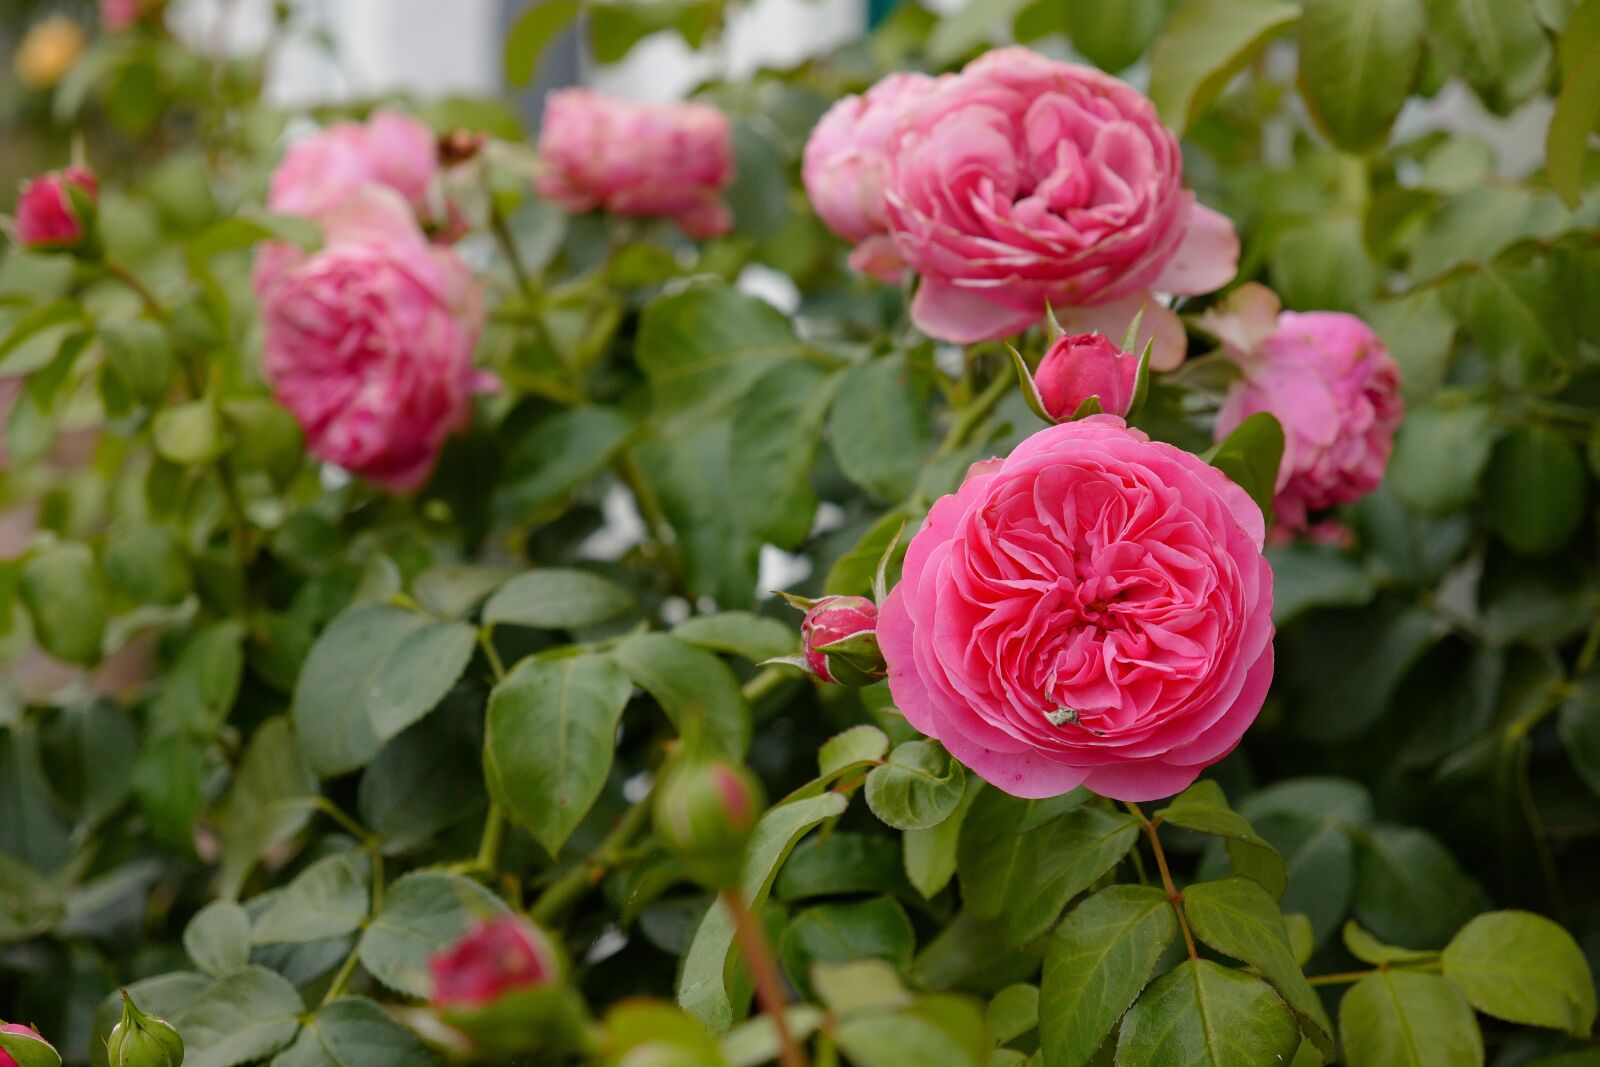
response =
{"points": [[48, 52]]}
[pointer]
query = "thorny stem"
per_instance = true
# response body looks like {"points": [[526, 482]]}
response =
{"points": [[769, 988], [1166, 877]]}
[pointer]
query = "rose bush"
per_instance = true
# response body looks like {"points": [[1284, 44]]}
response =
{"points": [[1182, 457]]}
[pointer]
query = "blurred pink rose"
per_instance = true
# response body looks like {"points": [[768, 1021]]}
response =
{"points": [[844, 163], [325, 169], [1024, 180], [656, 160], [496, 957], [369, 342], [117, 16], [46, 216], [1094, 611], [1078, 366], [1328, 379]]}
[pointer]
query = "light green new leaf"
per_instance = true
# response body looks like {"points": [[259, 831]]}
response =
{"points": [[218, 938], [328, 899], [1368, 949], [330, 699], [1201, 1014], [557, 598], [917, 788], [1524, 968], [549, 741], [1013, 1012], [244, 1016], [531, 34], [1203, 45], [1402, 1019], [857, 745], [423, 913], [1358, 62], [354, 1032], [1100, 958], [695, 688], [1204, 809], [702, 984], [417, 674], [1235, 916]]}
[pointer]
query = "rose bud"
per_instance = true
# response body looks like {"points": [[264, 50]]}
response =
{"points": [[841, 643], [143, 1040], [704, 811], [56, 210], [1086, 365], [499, 987], [21, 1041]]}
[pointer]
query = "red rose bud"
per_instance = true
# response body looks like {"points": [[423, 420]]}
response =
{"points": [[497, 957], [56, 210], [143, 1040], [21, 1046], [1086, 365], [840, 639], [705, 811]]}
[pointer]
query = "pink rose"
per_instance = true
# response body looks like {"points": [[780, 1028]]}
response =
{"points": [[117, 16], [327, 168], [839, 643], [1328, 379], [844, 163], [47, 218], [1095, 611], [1079, 366], [654, 160], [369, 342], [499, 956], [1024, 180]]}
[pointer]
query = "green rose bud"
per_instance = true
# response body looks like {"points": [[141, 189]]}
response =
{"points": [[705, 810], [143, 1040]]}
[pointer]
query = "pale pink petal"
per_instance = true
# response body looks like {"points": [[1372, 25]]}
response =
{"points": [[1160, 324], [1207, 258]]}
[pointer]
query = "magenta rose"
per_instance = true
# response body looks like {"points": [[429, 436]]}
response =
{"points": [[497, 957], [1094, 610], [1024, 180], [369, 342], [843, 169], [322, 171], [652, 160], [1079, 366], [1328, 379], [47, 216]]}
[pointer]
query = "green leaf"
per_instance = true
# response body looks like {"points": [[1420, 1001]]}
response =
{"points": [[842, 863], [452, 590], [1409, 888], [1323, 262], [35, 322], [945, 1030], [1023, 870], [1498, 46], [1306, 576], [328, 899], [1420, 334], [1358, 63], [218, 938], [30, 904], [1235, 916], [531, 35], [423, 913], [917, 788], [167, 780], [25, 1050], [1203, 808], [561, 453], [878, 429], [1013, 1011], [1344, 665], [416, 675], [203, 682], [1203, 45], [876, 928], [269, 802], [702, 983], [1100, 958], [60, 586], [695, 688], [340, 674], [149, 565], [705, 346], [859, 745], [354, 1032], [1201, 1014], [557, 598], [1402, 1019], [776, 428], [244, 1016], [1250, 456], [852, 573], [930, 855], [549, 741], [615, 26], [1439, 455], [1579, 725], [1114, 35], [1524, 968], [1577, 108], [967, 29], [1535, 489], [687, 465], [740, 633], [140, 354], [427, 779], [1368, 949], [190, 434]]}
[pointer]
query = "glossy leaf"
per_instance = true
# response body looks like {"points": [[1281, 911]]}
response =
{"points": [[423, 913], [917, 788], [343, 668], [1250, 455], [695, 688], [416, 675], [1201, 1014], [1204, 809], [877, 428], [557, 599]]}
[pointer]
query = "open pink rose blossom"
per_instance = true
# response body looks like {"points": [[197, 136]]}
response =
{"points": [[369, 342], [1328, 379], [322, 171], [1093, 610], [1024, 180], [653, 160], [843, 169]]}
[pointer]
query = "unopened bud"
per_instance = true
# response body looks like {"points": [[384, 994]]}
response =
{"points": [[21, 1046], [495, 958], [705, 811], [56, 210], [840, 639], [143, 1040], [1085, 365]]}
